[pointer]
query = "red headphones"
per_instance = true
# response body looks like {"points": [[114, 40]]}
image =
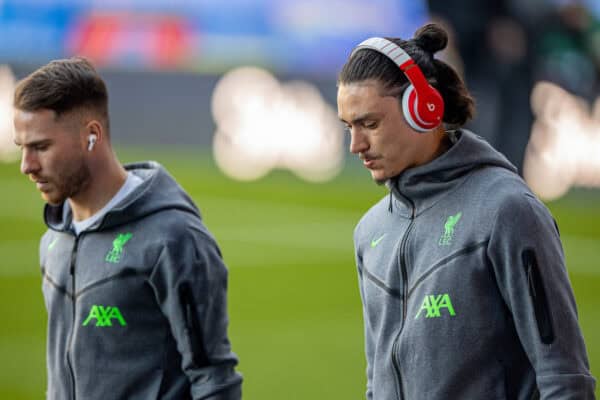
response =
{"points": [[422, 104]]}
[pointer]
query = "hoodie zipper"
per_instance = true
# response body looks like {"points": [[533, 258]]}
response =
{"points": [[70, 342], [402, 261]]}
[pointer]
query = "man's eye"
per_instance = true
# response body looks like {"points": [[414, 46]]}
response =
{"points": [[41, 147], [370, 125]]}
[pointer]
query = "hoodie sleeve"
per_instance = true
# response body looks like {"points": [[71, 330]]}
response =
{"points": [[528, 261], [369, 346], [190, 283], [43, 249]]}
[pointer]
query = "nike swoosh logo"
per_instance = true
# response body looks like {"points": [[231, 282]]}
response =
{"points": [[375, 242], [53, 243]]}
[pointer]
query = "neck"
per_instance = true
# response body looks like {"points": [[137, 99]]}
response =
{"points": [[444, 143], [107, 176], [439, 144]]}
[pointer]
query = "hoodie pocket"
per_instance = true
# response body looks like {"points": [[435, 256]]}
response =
{"points": [[193, 331], [538, 297]]}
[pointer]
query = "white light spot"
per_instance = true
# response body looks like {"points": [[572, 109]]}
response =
{"points": [[565, 142], [8, 151], [263, 124]]}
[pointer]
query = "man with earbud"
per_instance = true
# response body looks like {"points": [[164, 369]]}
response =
{"points": [[133, 282], [461, 271]]}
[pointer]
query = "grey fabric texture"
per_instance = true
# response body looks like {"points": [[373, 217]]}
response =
{"points": [[137, 303], [464, 286]]}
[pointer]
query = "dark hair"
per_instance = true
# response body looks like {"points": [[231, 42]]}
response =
{"points": [[367, 64], [63, 86]]}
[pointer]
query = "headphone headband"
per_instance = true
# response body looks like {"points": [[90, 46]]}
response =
{"points": [[388, 48], [423, 105]]}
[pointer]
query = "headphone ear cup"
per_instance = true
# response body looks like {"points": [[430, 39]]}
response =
{"points": [[428, 118], [409, 107]]}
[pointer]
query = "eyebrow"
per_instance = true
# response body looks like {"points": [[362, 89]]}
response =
{"points": [[371, 115], [33, 143]]}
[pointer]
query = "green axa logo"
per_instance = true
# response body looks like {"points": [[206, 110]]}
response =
{"points": [[448, 234], [433, 304], [104, 316], [114, 256]]}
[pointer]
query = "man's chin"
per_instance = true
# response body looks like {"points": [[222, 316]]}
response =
{"points": [[379, 179], [52, 200]]}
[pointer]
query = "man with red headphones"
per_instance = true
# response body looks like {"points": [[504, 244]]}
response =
{"points": [[461, 271]]}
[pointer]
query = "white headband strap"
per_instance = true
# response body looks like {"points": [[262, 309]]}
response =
{"points": [[386, 47]]}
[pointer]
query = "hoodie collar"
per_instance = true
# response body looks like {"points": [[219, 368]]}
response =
{"points": [[419, 188], [157, 192]]}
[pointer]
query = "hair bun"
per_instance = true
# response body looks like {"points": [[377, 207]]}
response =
{"points": [[431, 38]]}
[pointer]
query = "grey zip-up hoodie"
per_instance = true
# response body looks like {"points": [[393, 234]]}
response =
{"points": [[137, 302], [464, 287]]}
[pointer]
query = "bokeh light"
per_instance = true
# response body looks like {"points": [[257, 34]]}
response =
{"points": [[264, 124], [8, 150], [564, 147]]}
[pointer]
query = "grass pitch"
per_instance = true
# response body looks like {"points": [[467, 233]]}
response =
{"points": [[294, 305]]}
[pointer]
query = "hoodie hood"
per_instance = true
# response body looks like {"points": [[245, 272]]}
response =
{"points": [[419, 188], [158, 191]]}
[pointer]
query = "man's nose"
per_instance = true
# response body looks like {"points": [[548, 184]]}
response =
{"points": [[29, 162], [358, 141]]}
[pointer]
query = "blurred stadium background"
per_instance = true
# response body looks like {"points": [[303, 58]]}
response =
{"points": [[237, 100]]}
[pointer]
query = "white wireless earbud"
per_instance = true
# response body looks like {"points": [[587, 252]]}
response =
{"points": [[92, 141]]}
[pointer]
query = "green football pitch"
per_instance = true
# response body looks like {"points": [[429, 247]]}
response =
{"points": [[294, 305]]}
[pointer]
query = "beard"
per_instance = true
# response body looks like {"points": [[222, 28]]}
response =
{"points": [[70, 181]]}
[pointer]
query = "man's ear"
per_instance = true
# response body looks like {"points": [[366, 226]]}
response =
{"points": [[92, 134]]}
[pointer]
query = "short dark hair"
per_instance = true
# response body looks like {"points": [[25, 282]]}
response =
{"points": [[366, 64], [63, 86]]}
